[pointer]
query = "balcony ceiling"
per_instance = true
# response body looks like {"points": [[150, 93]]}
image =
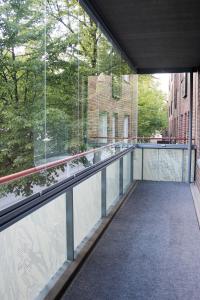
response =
{"points": [[156, 35]]}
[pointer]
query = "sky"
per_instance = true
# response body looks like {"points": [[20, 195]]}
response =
{"points": [[163, 80]]}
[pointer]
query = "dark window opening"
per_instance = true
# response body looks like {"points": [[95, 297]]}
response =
{"points": [[184, 85], [116, 86]]}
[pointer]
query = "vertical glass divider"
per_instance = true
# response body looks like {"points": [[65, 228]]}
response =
{"points": [[103, 193], [121, 176], [70, 224]]}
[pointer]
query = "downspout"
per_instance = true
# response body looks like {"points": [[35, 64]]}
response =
{"points": [[190, 128]]}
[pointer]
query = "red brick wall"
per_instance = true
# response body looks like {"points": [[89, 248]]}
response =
{"points": [[197, 179], [196, 124], [183, 117], [179, 115]]}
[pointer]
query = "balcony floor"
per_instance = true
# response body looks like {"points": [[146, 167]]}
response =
{"points": [[151, 249]]}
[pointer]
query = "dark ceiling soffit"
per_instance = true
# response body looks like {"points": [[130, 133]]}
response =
{"points": [[167, 70], [95, 14]]}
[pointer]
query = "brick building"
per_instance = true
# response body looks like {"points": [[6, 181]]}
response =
{"points": [[112, 107], [179, 98], [179, 87]]}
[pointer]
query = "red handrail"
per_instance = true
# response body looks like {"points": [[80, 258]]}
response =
{"points": [[27, 172], [142, 137]]}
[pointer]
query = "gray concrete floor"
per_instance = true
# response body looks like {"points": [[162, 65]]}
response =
{"points": [[151, 250]]}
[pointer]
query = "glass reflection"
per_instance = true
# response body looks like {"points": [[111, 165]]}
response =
{"points": [[64, 90]]}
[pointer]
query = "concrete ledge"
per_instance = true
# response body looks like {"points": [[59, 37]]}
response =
{"points": [[196, 197], [65, 275]]}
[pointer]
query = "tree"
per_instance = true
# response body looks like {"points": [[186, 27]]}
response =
{"points": [[152, 107], [47, 54]]}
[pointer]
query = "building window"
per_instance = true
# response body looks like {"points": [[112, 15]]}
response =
{"points": [[103, 127], [115, 125], [116, 86], [184, 85], [126, 128], [126, 78], [174, 130]]}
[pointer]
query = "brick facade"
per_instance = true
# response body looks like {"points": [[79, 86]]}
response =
{"points": [[178, 107], [181, 113], [101, 101]]}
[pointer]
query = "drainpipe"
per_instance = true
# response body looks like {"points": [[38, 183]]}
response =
{"points": [[190, 128]]}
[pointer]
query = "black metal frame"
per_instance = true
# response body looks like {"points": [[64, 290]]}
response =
{"points": [[167, 70]]}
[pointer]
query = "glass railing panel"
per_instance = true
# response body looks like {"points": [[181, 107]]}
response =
{"points": [[170, 165], [112, 184], [126, 171], [137, 164], [162, 164], [32, 251], [22, 188], [87, 207], [150, 164], [185, 165]]}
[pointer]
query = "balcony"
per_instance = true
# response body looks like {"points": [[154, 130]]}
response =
{"points": [[86, 211], [141, 190]]}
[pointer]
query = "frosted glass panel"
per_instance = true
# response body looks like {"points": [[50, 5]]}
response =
{"points": [[166, 164], [112, 183], [170, 164], [185, 166], [150, 164], [137, 164], [162, 164], [32, 251], [126, 171], [87, 207]]}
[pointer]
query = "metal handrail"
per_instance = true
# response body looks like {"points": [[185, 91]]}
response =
{"points": [[37, 169], [167, 138], [34, 170]]}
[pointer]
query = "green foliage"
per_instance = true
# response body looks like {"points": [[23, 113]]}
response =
{"points": [[152, 107], [45, 61]]}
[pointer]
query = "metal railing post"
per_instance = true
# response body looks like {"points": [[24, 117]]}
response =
{"points": [[70, 224], [132, 153], [182, 166], [121, 176], [103, 193], [142, 166]]}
